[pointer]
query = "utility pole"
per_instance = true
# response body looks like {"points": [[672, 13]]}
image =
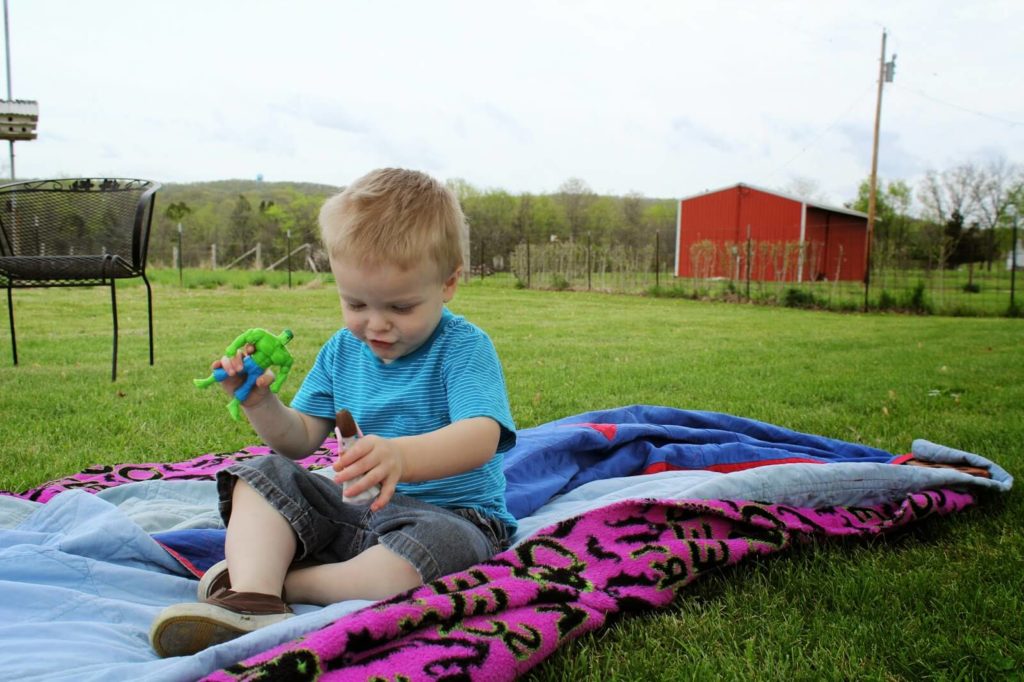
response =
{"points": [[885, 75], [18, 118], [10, 97]]}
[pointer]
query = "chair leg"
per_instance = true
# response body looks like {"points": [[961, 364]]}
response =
{"points": [[113, 305], [149, 307], [10, 316]]}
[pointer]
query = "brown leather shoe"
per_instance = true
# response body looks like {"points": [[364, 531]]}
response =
{"points": [[184, 629], [217, 578], [213, 581]]}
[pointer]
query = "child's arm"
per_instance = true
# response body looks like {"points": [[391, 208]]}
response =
{"points": [[291, 433], [288, 431], [453, 449]]}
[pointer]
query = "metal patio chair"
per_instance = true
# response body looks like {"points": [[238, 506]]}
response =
{"points": [[75, 232]]}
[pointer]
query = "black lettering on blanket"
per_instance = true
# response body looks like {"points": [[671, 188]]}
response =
{"points": [[648, 531], [564, 528], [534, 568], [864, 515], [456, 666], [752, 512], [622, 579], [91, 486], [924, 505], [471, 578], [570, 617], [674, 571], [595, 550], [523, 643], [301, 665]]}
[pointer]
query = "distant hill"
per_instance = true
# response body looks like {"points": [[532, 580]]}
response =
{"points": [[235, 215], [215, 190]]}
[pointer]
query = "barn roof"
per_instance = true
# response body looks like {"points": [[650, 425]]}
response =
{"points": [[800, 200]]}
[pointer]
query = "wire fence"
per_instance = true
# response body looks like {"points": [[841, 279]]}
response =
{"points": [[766, 272], [772, 273]]}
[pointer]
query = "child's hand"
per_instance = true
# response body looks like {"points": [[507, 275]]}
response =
{"points": [[378, 460], [234, 367]]}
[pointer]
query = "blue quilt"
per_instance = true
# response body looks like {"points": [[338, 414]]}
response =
{"points": [[82, 576]]}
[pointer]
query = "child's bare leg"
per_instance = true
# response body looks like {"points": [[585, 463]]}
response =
{"points": [[376, 573], [260, 545]]}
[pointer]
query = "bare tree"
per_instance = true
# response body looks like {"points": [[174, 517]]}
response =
{"points": [[575, 196], [632, 229], [954, 190], [992, 194]]}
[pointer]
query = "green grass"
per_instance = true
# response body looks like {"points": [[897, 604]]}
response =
{"points": [[943, 601], [201, 278]]}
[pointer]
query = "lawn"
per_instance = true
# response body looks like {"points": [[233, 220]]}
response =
{"points": [[943, 601]]}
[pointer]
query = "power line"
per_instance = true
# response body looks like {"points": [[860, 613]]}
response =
{"points": [[830, 126], [983, 114]]}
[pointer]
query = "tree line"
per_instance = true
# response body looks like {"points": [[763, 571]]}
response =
{"points": [[961, 216], [964, 215], [236, 214]]}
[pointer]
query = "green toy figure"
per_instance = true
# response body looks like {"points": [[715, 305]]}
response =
{"points": [[262, 351]]}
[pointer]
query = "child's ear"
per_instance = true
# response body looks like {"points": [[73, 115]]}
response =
{"points": [[451, 284]]}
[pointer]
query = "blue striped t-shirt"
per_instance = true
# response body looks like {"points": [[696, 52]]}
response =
{"points": [[454, 375]]}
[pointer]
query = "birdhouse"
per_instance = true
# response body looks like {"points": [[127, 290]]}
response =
{"points": [[18, 119]]}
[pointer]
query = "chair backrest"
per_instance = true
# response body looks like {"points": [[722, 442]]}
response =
{"points": [[78, 217]]}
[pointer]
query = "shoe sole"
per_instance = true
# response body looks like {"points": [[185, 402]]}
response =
{"points": [[186, 629]]}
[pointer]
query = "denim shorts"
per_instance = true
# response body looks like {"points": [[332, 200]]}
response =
{"points": [[436, 541]]}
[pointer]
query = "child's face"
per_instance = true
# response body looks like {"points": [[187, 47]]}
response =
{"points": [[391, 310]]}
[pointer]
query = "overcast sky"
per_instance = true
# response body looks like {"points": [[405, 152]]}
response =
{"points": [[664, 98]]}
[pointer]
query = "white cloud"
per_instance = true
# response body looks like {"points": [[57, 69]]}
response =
{"points": [[665, 98]]}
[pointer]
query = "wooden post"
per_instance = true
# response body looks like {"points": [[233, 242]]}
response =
{"points": [[748, 261], [527, 262], [657, 259], [872, 195], [181, 277]]}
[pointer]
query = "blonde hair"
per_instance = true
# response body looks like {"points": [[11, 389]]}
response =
{"points": [[398, 217]]}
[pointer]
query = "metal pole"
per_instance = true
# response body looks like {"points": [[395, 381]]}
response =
{"points": [[748, 261], [1013, 264], [657, 259], [589, 242], [288, 242], [7, 47], [181, 278], [527, 261], [874, 177]]}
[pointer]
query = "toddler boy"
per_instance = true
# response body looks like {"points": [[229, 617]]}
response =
{"points": [[424, 384]]}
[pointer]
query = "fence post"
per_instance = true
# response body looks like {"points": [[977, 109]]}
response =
{"points": [[657, 259], [748, 261], [213, 256], [482, 240], [1013, 261], [527, 261], [181, 277], [288, 242], [259, 255], [589, 245]]}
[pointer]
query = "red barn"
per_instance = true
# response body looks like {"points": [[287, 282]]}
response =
{"points": [[791, 239]]}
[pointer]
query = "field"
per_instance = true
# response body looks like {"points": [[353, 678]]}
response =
{"points": [[943, 601]]}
